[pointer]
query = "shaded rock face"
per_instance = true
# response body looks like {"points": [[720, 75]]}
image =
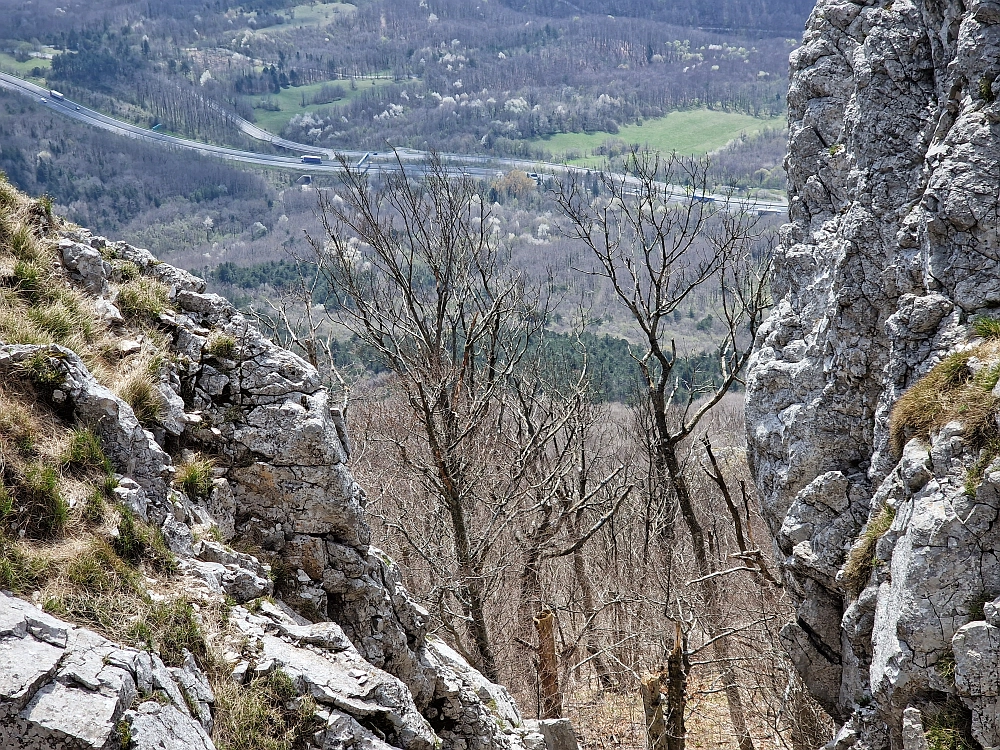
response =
{"points": [[281, 484], [891, 250]]}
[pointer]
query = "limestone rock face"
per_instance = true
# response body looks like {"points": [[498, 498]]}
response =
{"points": [[342, 628], [891, 251], [64, 686]]}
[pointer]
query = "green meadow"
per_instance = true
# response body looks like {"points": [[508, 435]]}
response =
{"points": [[290, 101], [688, 132]]}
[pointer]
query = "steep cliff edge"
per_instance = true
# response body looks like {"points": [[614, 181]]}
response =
{"points": [[887, 531], [148, 434]]}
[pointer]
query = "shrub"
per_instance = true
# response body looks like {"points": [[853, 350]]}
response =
{"points": [[263, 714], [221, 345], [41, 505], [139, 391], [142, 299], [861, 559], [195, 476], [84, 453]]}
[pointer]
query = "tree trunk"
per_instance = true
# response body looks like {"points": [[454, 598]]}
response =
{"points": [[471, 581], [733, 697], [548, 674], [676, 693], [605, 680], [737, 715], [650, 688]]}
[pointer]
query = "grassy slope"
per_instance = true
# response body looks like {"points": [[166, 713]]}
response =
{"points": [[689, 132], [7, 62], [290, 101], [317, 14]]}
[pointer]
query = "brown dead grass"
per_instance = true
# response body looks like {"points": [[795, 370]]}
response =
{"points": [[861, 559], [950, 392], [38, 305]]}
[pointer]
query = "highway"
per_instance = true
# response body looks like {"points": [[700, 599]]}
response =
{"points": [[484, 167]]}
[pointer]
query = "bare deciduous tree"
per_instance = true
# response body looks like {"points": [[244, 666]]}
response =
{"points": [[656, 248]]}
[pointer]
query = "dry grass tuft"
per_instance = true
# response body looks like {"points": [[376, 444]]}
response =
{"points": [[37, 303], [221, 345], [861, 558], [143, 299], [949, 727], [84, 453], [949, 392], [137, 386], [136, 541], [195, 476], [264, 714], [988, 328]]}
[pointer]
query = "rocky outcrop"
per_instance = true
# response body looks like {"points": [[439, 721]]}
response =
{"points": [[65, 687], [353, 640], [890, 253]]}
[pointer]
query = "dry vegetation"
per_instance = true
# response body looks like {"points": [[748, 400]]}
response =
{"points": [[958, 389], [629, 579], [861, 559]]}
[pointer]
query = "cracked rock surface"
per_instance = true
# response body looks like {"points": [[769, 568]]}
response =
{"points": [[891, 251], [65, 687]]}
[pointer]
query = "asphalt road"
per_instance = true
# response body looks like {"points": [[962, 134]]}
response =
{"points": [[475, 166]]}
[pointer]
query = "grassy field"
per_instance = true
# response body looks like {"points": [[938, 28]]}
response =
{"points": [[317, 14], [7, 62], [290, 101], [688, 132]]}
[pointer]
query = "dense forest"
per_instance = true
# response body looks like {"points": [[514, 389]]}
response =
{"points": [[488, 77]]}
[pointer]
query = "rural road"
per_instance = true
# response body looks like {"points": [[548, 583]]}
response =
{"points": [[484, 167]]}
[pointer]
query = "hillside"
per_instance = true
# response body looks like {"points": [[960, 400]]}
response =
{"points": [[173, 501]]}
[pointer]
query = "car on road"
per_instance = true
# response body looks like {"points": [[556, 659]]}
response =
{"points": [[43, 100]]}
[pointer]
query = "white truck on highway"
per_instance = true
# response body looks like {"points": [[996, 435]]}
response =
{"points": [[56, 95]]}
